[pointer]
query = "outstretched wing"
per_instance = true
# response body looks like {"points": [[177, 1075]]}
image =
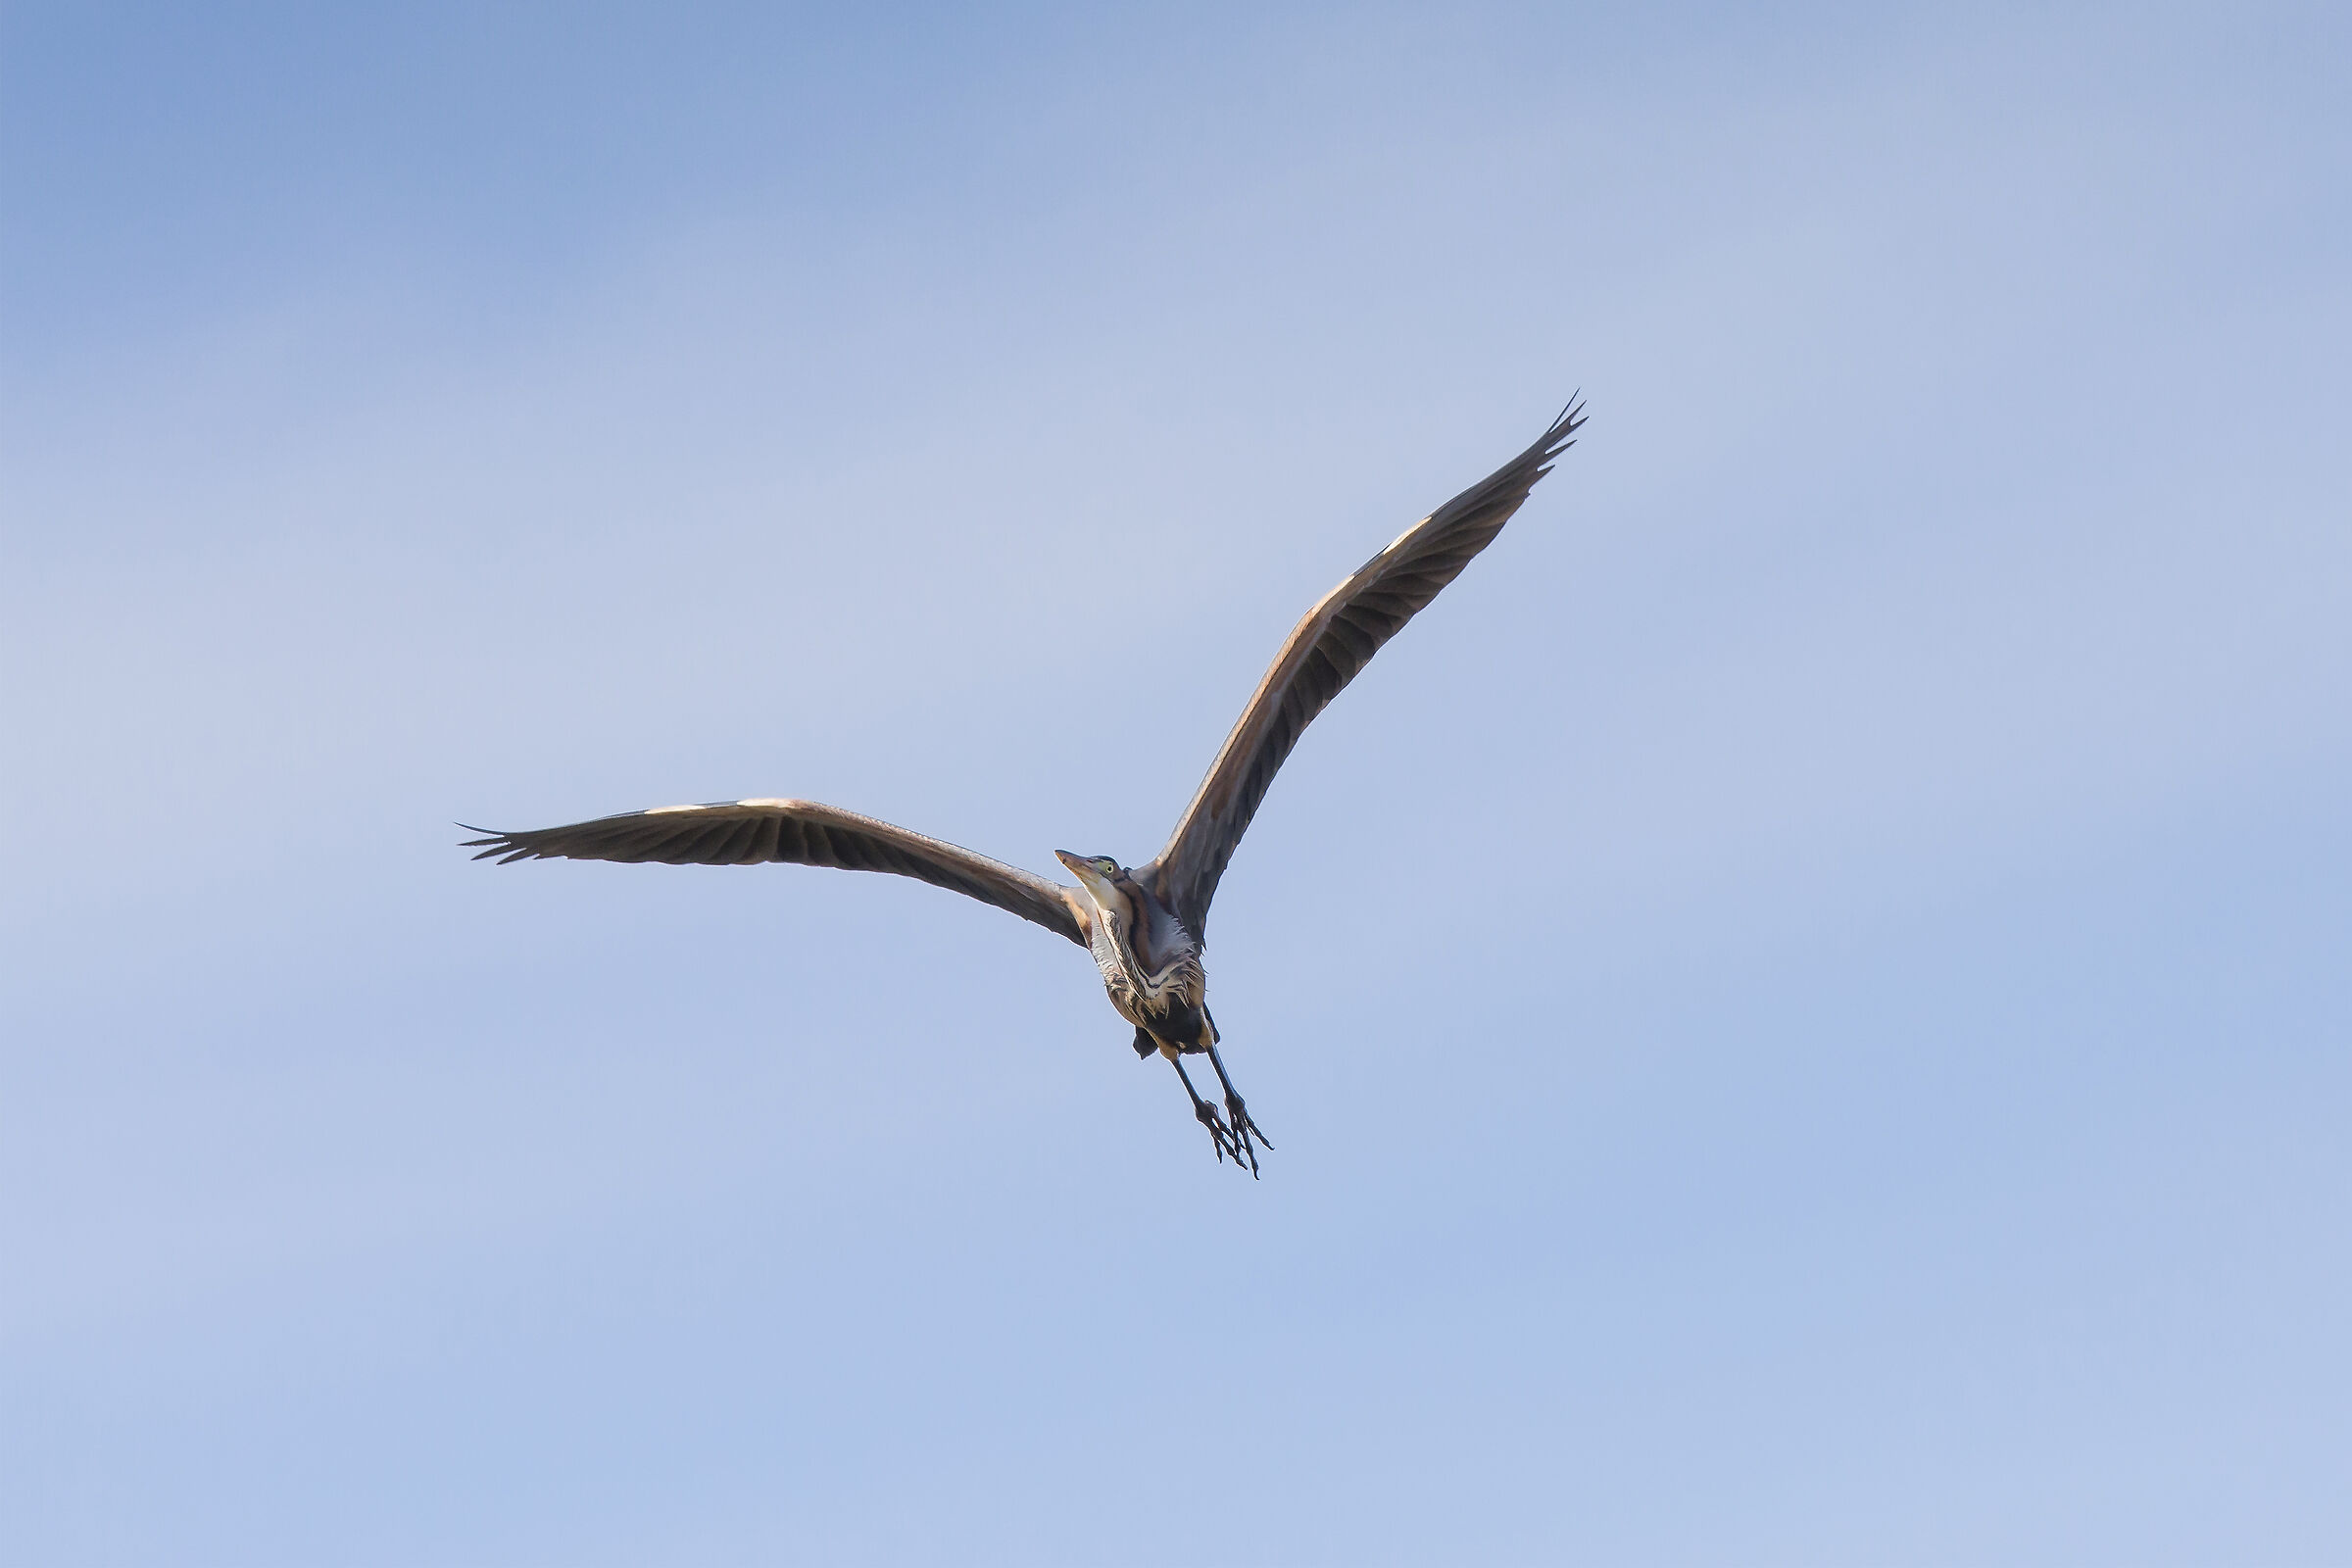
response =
{"points": [[1337, 639], [801, 832]]}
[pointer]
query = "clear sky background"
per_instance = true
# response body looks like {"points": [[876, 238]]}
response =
{"points": [[1804, 1004]]}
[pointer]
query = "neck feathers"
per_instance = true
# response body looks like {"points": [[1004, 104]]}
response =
{"points": [[1143, 949]]}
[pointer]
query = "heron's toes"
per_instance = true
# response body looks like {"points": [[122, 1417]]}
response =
{"points": [[1243, 1131], [1219, 1133]]}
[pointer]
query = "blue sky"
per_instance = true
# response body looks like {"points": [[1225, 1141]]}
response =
{"points": [[1802, 1005]]}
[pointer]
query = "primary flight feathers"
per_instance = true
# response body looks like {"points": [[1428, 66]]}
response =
{"points": [[1324, 651], [798, 832]]}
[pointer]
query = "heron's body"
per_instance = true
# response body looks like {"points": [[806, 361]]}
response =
{"points": [[1150, 968], [1144, 926]]}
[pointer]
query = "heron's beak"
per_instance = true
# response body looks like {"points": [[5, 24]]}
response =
{"points": [[1088, 877]]}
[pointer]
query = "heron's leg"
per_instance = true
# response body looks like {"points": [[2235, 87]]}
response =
{"points": [[1243, 1129], [1219, 1134]]}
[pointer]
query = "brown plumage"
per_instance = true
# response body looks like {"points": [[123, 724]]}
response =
{"points": [[1144, 926]]}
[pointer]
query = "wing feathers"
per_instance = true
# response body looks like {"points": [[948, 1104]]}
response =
{"points": [[799, 832], [1325, 650]]}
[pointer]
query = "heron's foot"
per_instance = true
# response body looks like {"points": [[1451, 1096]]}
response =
{"points": [[1219, 1133], [1245, 1130]]}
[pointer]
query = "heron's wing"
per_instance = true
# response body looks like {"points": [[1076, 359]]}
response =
{"points": [[1337, 639], [802, 832]]}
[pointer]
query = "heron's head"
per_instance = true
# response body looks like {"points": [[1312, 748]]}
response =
{"points": [[1100, 876]]}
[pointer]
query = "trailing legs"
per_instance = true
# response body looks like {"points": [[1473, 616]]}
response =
{"points": [[1206, 1114], [1243, 1128]]}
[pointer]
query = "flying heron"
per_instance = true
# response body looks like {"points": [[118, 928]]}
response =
{"points": [[1144, 924]]}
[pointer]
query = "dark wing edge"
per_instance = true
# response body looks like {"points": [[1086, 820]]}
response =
{"points": [[796, 832], [1334, 641]]}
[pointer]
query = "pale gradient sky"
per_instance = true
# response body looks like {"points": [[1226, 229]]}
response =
{"points": [[1840, 1050]]}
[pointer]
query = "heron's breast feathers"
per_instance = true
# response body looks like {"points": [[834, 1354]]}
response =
{"points": [[1148, 992]]}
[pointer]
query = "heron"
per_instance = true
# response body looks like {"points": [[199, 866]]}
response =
{"points": [[1144, 925]]}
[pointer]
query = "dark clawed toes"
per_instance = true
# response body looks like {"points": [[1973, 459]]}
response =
{"points": [[1245, 1131], [1219, 1133]]}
